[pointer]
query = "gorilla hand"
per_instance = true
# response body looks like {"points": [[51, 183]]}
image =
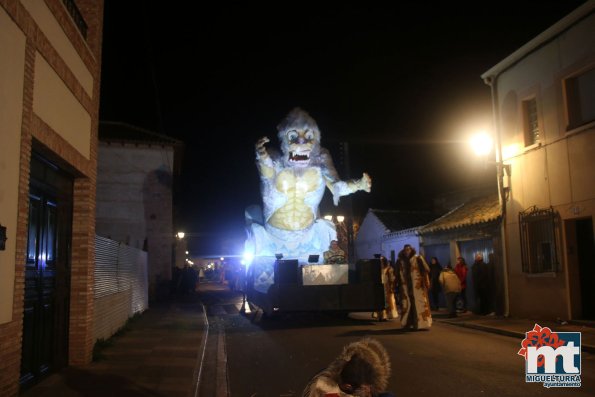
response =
{"points": [[365, 183], [261, 150]]}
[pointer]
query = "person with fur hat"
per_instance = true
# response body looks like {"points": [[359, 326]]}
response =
{"points": [[412, 284], [362, 369]]}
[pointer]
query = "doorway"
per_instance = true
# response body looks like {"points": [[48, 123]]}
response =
{"points": [[47, 272], [442, 254], [468, 249], [580, 249]]}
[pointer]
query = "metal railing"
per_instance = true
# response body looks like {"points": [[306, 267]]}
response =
{"points": [[118, 268]]}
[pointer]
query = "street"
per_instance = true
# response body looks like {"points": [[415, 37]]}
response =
{"points": [[278, 356]]}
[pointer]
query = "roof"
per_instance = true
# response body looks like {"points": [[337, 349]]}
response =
{"points": [[396, 220], [113, 131], [548, 35], [476, 211]]}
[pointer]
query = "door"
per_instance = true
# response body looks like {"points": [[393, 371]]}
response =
{"points": [[442, 253], [585, 256], [47, 273], [468, 249]]}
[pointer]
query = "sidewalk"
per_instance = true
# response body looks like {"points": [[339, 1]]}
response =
{"points": [[517, 328], [159, 355]]}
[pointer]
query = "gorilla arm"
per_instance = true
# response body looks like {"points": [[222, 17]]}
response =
{"points": [[263, 159], [338, 187]]}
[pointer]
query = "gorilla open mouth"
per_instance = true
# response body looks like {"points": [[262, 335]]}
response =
{"points": [[299, 158]]}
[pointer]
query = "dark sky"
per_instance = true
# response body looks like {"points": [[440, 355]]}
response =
{"points": [[401, 84]]}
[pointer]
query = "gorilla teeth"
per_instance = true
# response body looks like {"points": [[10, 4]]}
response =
{"points": [[298, 157]]}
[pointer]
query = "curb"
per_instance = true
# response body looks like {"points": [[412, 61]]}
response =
{"points": [[499, 331], [197, 376]]}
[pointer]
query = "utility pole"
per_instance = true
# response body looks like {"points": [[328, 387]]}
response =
{"points": [[344, 159]]}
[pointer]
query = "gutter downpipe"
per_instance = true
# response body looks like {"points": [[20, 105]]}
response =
{"points": [[492, 82]]}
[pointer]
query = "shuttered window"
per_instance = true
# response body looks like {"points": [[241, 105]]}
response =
{"points": [[531, 121]]}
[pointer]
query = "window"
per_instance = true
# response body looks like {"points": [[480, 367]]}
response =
{"points": [[530, 121], [539, 231], [77, 17], [580, 99]]}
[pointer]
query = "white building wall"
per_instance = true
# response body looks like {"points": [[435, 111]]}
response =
{"points": [[369, 237], [396, 242], [558, 172], [134, 201]]}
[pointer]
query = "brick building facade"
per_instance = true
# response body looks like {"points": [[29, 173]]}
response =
{"points": [[50, 79]]}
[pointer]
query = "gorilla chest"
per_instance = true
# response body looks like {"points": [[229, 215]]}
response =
{"points": [[298, 182]]}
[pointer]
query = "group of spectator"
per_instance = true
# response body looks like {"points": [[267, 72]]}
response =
{"points": [[184, 280], [413, 287], [453, 282]]}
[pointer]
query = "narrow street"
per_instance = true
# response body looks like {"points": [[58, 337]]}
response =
{"points": [[278, 356]]}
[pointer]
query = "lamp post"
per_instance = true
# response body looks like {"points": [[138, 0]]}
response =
{"points": [[344, 233], [482, 144], [181, 249]]}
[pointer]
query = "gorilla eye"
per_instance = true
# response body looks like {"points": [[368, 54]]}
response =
{"points": [[346, 388], [309, 135], [292, 136]]}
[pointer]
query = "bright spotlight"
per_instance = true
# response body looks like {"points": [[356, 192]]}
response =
{"points": [[481, 143], [248, 258]]}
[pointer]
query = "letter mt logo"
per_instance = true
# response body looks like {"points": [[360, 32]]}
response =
{"points": [[552, 358]]}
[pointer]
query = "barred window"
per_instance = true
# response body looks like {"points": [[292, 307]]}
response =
{"points": [[539, 242], [531, 122]]}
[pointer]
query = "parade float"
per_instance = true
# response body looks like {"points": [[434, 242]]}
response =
{"points": [[287, 237]]}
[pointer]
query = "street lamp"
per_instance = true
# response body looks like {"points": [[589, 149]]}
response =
{"points": [[180, 250], [482, 145], [344, 234]]}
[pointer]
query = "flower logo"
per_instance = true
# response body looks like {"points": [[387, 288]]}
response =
{"points": [[538, 337]]}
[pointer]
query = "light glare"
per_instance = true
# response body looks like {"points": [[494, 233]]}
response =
{"points": [[248, 258], [481, 143]]}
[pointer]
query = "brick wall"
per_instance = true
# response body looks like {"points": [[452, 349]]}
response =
{"points": [[11, 333], [36, 134]]}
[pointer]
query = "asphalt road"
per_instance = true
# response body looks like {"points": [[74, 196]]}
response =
{"points": [[277, 357]]}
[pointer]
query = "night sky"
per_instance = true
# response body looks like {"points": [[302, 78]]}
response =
{"points": [[401, 84]]}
